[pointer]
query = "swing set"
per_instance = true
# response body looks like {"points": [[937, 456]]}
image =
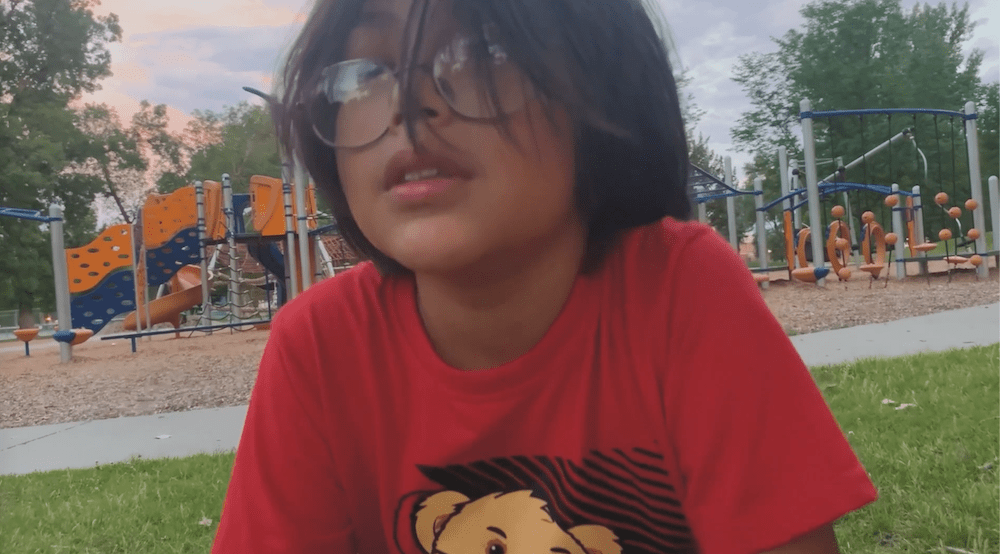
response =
{"points": [[907, 217]]}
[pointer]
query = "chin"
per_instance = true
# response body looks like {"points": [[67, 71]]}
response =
{"points": [[437, 260], [432, 246]]}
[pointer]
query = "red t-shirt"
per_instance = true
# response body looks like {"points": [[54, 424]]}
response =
{"points": [[663, 411]]}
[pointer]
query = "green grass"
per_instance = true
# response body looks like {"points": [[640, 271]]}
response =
{"points": [[935, 465], [141, 506]]}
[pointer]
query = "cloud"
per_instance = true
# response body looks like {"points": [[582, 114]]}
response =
{"points": [[204, 67], [985, 37], [151, 17]]}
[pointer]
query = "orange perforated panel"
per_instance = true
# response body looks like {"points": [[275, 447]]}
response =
{"points": [[89, 264], [266, 199], [164, 215], [268, 203], [215, 220]]}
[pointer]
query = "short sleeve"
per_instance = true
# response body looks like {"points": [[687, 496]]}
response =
{"points": [[761, 457], [283, 495]]}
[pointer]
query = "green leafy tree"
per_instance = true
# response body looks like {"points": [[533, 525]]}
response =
{"points": [[127, 160], [51, 51], [989, 129], [240, 141], [856, 54]]}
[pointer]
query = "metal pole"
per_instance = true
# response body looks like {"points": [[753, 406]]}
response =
{"points": [[794, 185], [702, 213], [145, 286], [902, 134], [994, 211], [897, 227], [731, 206], [918, 227], [60, 272], [976, 183], [785, 172], [758, 200], [290, 263], [812, 187], [142, 275], [235, 302], [324, 255], [206, 304], [302, 221]]}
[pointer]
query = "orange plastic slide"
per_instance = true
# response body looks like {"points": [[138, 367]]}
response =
{"points": [[168, 309]]}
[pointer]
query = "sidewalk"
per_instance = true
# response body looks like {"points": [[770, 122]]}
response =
{"points": [[84, 444]]}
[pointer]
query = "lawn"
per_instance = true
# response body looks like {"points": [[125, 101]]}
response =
{"points": [[935, 464]]}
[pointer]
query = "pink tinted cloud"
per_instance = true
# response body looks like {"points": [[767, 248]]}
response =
{"points": [[146, 17]]}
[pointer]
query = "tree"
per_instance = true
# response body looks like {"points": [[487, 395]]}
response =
{"points": [[855, 54], [51, 51], [989, 129], [127, 160], [240, 141]]}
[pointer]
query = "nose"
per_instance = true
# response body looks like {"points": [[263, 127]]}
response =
{"points": [[426, 103]]}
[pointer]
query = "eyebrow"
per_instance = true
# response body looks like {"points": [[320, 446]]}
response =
{"points": [[559, 549], [497, 531]]}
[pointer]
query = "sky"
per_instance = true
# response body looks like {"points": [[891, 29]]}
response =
{"points": [[197, 54]]}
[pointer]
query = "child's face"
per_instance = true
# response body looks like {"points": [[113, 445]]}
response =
{"points": [[494, 201]]}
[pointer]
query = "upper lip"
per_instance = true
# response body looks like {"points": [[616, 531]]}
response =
{"points": [[406, 161]]}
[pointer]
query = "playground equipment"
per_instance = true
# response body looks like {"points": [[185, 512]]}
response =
{"points": [[190, 240], [55, 222], [167, 309], [912, 209], [169, 247], [707, 187], [26, 336], [877, 248]]}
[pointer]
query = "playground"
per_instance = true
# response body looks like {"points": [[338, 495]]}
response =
{"points": [[167, 374], [880, 242]]}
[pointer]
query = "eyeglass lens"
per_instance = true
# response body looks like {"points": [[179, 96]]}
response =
{"points": [[355, 100]]}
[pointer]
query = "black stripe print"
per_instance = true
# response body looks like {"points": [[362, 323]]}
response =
{"points": [[648, 453], [644, 480], [648, 502], [647, 467], [609, 473], [617, 510]]}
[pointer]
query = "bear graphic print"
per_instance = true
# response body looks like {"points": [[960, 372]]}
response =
{"points": [[608, 502]]}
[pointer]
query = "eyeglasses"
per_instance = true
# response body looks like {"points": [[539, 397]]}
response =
{"points": [[353, 102]]}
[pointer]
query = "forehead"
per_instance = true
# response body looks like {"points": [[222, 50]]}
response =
{"points": [[384, 22], [397, 12]]}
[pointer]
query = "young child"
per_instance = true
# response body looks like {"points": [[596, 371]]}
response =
{"points": [[541, 355]]}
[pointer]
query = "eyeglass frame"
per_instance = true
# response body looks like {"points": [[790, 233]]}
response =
{"points": [[409, 70]]}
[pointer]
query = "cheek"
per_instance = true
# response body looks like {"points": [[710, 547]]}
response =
{"points": [[541, 162], [356, 178]]}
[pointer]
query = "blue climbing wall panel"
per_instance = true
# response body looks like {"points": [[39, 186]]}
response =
{"points": [[163, 262], [114, 295]]}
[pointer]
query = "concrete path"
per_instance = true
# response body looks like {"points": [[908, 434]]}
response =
{"points": [[929, 333], [81, 445]]}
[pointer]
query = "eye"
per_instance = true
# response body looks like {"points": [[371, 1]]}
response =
{"points": [[495, 547]]}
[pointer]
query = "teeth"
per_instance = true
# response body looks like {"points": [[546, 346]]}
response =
{"points": [[421, 174]]}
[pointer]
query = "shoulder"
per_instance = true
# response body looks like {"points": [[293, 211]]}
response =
{"points": [[678, 255], [345, 302]]}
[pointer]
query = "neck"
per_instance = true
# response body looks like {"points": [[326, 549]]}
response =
{"points": [[484, 318]]}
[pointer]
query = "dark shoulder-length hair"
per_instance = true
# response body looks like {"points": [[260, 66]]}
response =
{"points": [[606, 62]]}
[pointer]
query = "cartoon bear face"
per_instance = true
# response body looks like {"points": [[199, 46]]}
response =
{"points": [[449, 522]]}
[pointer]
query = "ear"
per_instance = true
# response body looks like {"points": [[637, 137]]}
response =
{"points": [[596, 539], [432, 515]]}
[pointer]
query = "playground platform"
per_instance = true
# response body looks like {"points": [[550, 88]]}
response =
{"points": [[87, 443]]}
